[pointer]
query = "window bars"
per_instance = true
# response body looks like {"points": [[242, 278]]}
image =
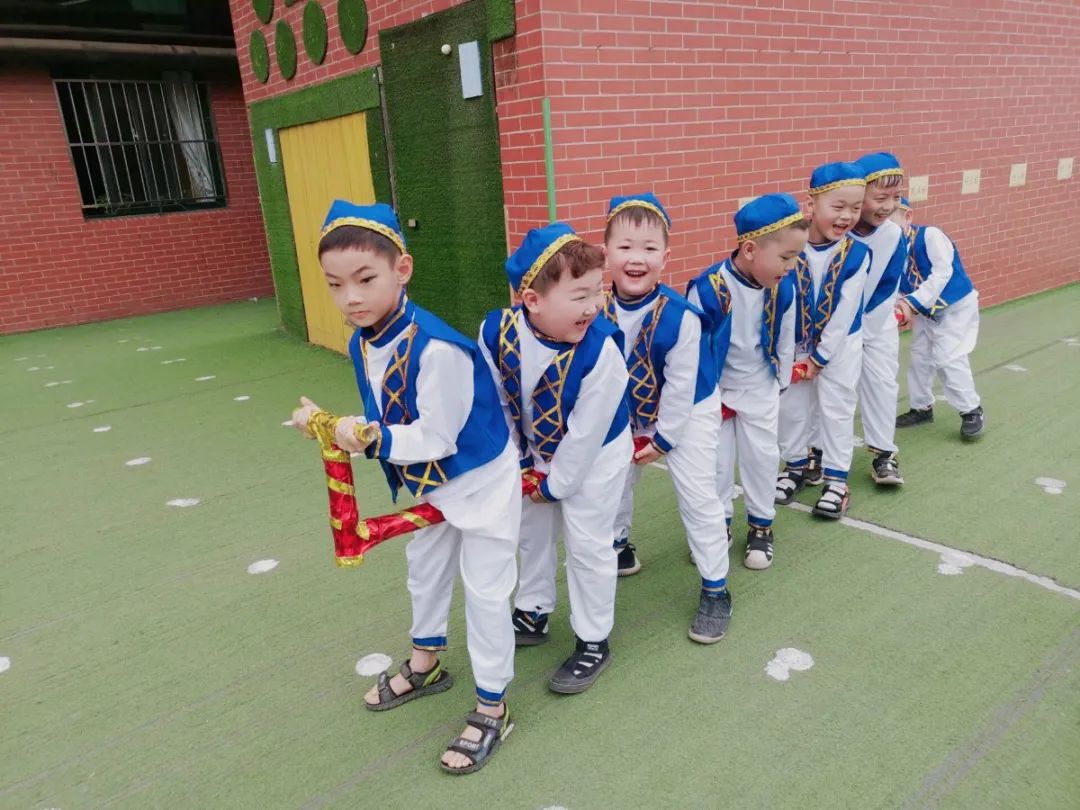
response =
{"points": [[142, 147]]}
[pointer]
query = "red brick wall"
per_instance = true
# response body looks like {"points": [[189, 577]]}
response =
{"points": [[57, 268], [707, 102]]}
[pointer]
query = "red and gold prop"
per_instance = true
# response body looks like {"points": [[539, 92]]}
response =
{"points": [[355, 536], [799, 372]]}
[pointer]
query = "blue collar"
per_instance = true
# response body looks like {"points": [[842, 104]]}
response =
{"points": [[740, 276], [545, 340], [391, 326], [631, 304], [822, 247]]}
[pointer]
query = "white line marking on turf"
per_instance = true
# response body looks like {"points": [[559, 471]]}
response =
{"points": [[182, 502], [262, 566], [5, 663], [929, 545], [205, 377], [102, 428], [953, 564], [373, 664], [137, 462], [786, 661], [241, 398], [1014, 367], [1051, 486]]}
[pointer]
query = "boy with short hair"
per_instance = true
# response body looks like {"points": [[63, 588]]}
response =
{"points": [[672, 396], [749, 300], [878, 384], [433, 421], [942, 306], [830, 277], [562, 382]]}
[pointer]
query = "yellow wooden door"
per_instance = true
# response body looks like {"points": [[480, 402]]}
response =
{"points": [[323, 161]]}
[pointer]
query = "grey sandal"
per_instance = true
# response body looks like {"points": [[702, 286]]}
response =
{"points": [[431, 682], [493, 730]]}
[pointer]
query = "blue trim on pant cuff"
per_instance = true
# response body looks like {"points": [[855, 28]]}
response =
{"points": [[621, 543], [489, 698], [727, 520], [836, 475], [759, 523], [430, 643], [797, 464], [717, 585]]}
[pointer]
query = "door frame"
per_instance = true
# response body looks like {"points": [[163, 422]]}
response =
{"points": [[357, 92]]}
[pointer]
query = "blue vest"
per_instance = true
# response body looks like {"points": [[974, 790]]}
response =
{"points": [[484, 434], [658, 335], [716, 301], [918, 270], [572, 363], [812, 316]]}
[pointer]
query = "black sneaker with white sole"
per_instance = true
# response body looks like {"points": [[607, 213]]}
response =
{"points": [[713, 617], [915, 416], [581, 669], [815, 473], [972, 424], [530, 628], [886, 470], [629, 564], [759, 549]]}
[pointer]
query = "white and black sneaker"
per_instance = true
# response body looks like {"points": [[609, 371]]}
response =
{"points": [[759, 549], [972, 424], [581, 669], [629, 564], [530, 627], [886, 470]]}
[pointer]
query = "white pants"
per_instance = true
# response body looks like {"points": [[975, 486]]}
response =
{"points": [[587, 519], [879, 386], [692, 464], [752, 435], [943, 346], [827, 402], [484, 555]]}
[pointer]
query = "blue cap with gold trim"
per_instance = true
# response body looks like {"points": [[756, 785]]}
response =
{"points": [[767, 214], [879, 164], [834, 175], [379, 217], [646, 200], [905, 204], [540, 244]]}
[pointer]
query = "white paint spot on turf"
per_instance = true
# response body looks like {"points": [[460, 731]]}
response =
{"points": [[52, 384], [786, 661], [175, 360], [143, 349], [50, 368], [183, 503], [123, 340], [953, 563], [859, 441], [262, 566], [1051, 486], [5, 663], [75, 404], [102, 428], [373, 664], [137, 462], [155, 348], [20, 359], [205, 377], [940, 398], [287, 423], [1014, 367], [34, 368], [241, 398]]}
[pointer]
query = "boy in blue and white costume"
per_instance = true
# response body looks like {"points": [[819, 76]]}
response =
{"points": [[942, 306], [433, 420], [878, 384], [562, 382], [830, 277], [672, 396], [749, 304]]}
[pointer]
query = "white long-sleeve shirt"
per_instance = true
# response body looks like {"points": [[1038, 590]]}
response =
{"points": [[851, 296], [599, 397], [941, 252], [680, 371], [883, 242]]}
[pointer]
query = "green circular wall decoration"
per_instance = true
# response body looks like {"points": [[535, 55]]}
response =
{"points": [[352, 23], [259, 55], [264, 9], [315, 31], [285, 48]]}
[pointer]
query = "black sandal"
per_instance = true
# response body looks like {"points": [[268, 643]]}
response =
{"points": [[493, 730], [789, 484], [833, 503], [432, 682]]}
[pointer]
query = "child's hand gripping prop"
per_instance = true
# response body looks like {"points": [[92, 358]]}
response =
{"points": [[355, 536]]}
